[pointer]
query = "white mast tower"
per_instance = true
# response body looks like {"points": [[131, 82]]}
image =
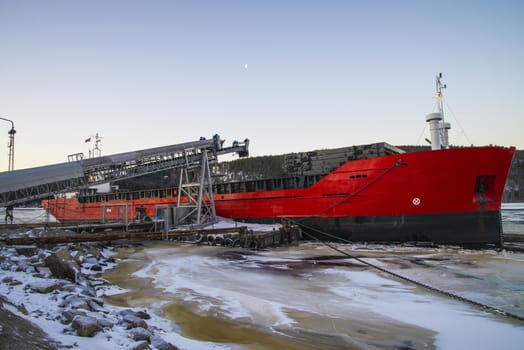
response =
{"points": [[438, 128]]}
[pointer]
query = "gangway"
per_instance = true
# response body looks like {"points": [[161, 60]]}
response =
{"points": [[21, 186]]}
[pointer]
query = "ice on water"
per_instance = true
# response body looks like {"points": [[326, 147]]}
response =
{"points": [[270, 288]]}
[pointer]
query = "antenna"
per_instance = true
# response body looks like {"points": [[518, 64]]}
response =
{"points": [[96, 152], [97, 149], [439, 87], [438, 127], [444, 127]]}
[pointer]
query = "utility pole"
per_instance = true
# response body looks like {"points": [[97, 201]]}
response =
{"points": [[11, 145]]}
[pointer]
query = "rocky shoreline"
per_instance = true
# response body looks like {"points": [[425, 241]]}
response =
{"points": [[59, 288]]}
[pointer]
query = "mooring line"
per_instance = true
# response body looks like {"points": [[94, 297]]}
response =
{"points": [[515, 287], [396, 164], [412, 281]]}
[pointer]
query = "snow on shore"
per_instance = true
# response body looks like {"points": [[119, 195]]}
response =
{"points": [[53, 303], [59, 306]]}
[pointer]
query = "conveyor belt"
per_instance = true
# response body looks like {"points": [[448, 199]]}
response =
{"points": [[19, 186]]}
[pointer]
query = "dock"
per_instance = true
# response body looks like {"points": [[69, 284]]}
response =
{"points": [[240, 236]]}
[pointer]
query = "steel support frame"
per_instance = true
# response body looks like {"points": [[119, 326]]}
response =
{"points": [[195, 191]]}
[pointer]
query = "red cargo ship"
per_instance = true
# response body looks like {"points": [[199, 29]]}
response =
{"points": [[448, 196], [444, 195]]}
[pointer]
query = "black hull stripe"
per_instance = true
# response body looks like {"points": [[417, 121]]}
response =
{"points": [[465, 229]]}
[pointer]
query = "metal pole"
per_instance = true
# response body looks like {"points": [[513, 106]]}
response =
{"points": [[165, 233], [210, 193], [201, 188], [127, 217], [12, 132], [179, 192]]}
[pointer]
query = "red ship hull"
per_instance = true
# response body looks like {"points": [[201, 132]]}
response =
{"points": [[450, 196]]}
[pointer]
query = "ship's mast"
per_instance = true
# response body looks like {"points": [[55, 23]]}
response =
{"points": [[444, 127], [96, 151], [439, 86], [437, 126]]}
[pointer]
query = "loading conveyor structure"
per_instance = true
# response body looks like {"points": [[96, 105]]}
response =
{"points": [[20, 186]]}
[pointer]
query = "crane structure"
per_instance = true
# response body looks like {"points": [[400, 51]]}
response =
{"points": [[20, 186]]}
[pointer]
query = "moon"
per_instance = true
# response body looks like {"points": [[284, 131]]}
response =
{"points": [[245, 66]]}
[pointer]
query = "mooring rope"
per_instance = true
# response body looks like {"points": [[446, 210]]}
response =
{"points": [[412, 281], [401, 277], [515, 287]]}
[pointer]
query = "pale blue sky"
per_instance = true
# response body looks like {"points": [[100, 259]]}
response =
{"points": [[319, 74]]}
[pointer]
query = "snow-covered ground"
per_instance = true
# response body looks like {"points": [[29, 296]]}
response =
{"points": [[20, 282], [305, 296]]}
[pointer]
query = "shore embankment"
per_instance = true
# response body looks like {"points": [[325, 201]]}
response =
{"points": [[57, 289]]}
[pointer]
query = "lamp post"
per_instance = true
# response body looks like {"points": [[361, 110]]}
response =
{"points": [[11, 145]]}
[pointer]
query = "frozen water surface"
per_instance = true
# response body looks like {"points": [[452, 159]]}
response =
{"points": [[309, 296], [285, 291]]}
